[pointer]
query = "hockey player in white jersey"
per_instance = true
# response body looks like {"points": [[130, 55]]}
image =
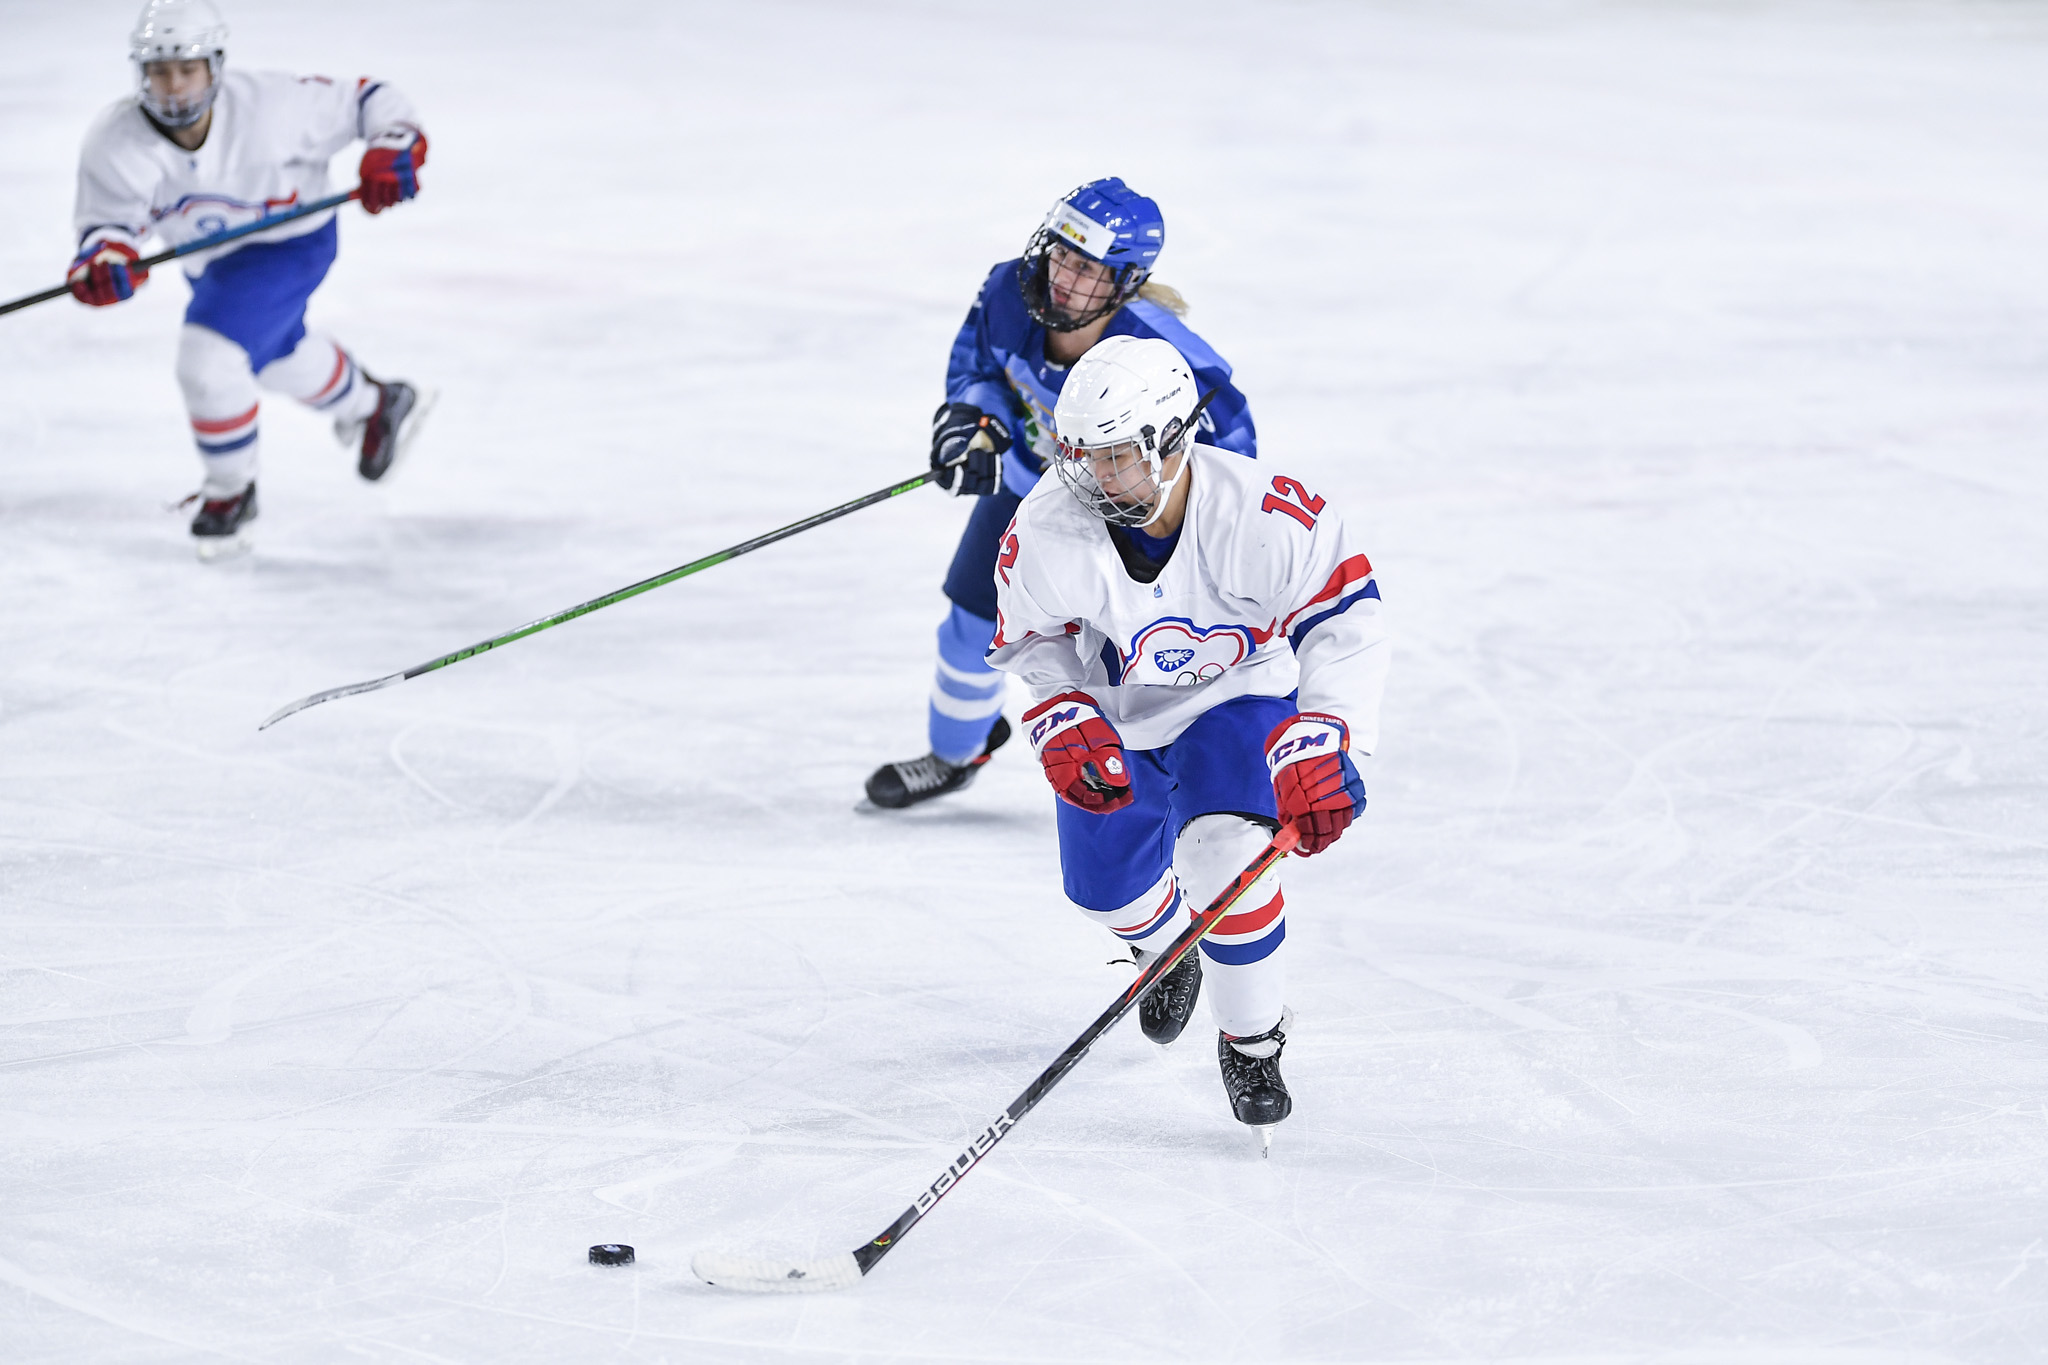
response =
{"points": [[1204, 647], [200, 148]]}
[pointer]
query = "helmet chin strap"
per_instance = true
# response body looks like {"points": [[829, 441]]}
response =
{"points": [[1165, 496], [1178, 440]]}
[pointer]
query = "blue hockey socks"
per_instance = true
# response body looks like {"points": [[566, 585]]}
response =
{"points": [[967, 695]]}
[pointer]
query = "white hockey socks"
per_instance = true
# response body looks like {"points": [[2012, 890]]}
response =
{"points": [[221, 399], [1245, 971], [325, 378], [1150, 921]]}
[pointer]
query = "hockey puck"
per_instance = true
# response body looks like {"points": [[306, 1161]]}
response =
{"points": [[611, 1253]]}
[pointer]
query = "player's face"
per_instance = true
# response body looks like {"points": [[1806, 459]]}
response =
{"points": [[178, 83], [1117, 482], [1125, 476], [1078, 284]]}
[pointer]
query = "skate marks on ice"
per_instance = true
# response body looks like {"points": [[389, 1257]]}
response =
{"points": [[1698, 318], [483, 784]]}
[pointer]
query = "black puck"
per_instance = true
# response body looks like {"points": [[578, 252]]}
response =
{"points": [[611, 1253]]}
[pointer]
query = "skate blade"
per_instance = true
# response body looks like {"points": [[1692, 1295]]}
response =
{"points": [[1265, 1131], [218, 549]]}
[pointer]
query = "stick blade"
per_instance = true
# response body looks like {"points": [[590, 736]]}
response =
{"points": [[768, 1275], [329, 695]]}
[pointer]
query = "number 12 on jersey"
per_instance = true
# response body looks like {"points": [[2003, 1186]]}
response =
{"points": [[1303, 509]]}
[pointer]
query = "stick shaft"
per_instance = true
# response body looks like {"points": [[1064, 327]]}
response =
{"points": [[203, 244], [599, 603], [681, 571], [983, 1144]]}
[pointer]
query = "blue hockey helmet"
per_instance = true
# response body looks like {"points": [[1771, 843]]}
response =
{"points": [[1108, 223]]}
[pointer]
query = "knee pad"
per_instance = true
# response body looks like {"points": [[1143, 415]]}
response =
{"points": [[1212, 849], [1151, 919]]}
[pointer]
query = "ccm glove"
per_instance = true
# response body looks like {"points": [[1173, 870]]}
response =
{"points": [[390, 169], [954, 427], [1314, 784], [1083, 758], [105, 273]]}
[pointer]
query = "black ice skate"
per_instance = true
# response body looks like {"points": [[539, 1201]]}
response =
{"points": [[1166, 1008], [1251, 1077], [896, 785], [217, 531], [384, 435]]}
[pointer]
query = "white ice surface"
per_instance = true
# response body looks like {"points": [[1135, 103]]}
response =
{"points": [[1683, 996]]}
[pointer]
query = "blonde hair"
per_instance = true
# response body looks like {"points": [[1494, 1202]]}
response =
{"points": [[1164, 296]]}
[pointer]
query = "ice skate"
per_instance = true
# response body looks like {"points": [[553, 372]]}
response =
{"points": [[1165, 1010], [894, 786], [1251, 1077], [219, 531], [381, 439]]}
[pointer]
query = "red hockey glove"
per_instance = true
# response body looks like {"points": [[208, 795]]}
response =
{"points": [[1314, 783], [105, 273], [1083, 758], [389, 174]]}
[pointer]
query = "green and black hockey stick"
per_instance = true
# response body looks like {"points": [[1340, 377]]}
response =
{"points": [[203, 244], [596, 603], [768, 1275]]}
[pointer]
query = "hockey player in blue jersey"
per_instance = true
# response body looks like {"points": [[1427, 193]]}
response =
{"points": [[1086, 274]]}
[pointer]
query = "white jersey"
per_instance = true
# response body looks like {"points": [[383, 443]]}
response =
{"points": [[1264, 592], [266, 152]]}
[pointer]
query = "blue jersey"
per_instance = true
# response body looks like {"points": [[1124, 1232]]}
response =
{"points": [[999, 365]]}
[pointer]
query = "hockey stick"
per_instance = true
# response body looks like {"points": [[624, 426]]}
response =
{"points": [[595, 603], [767, 1275], [203, 244]]}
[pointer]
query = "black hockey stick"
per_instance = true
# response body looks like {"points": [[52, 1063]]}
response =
{"points": [[203, 244], [767, 1275], [595, 603]]}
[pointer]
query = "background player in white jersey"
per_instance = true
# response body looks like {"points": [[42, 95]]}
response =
{"points": [[1204, 644], [199, 149]]}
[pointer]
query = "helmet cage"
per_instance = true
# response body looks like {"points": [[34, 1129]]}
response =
{"points": [[1136, 503], [1035, 278], [178, 31], [170, 111]]}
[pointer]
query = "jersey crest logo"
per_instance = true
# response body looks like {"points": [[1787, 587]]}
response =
{"points": [[1176, 652]]}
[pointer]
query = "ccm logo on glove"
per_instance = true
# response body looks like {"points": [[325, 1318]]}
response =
{"points": [[1315, 785], [1083, 758]]}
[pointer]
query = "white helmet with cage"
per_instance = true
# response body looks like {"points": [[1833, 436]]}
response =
{"points": [[178, 31], [1124, 412]]}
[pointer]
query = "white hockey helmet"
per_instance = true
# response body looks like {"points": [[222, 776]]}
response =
{"points": [[178, 31], [1124, 412]]}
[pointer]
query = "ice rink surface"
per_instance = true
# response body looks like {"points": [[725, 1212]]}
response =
{"points": [[1683, 996]]}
